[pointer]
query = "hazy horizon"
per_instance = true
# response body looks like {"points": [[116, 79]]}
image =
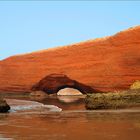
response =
{"points": [[29, 26]]}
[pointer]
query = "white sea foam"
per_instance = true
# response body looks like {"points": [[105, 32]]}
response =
{"points": [[23, 105]]}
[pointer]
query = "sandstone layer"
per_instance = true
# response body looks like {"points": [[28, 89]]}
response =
{"points": [[106, 64]]}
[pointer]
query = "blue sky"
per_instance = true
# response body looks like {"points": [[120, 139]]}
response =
{"points": [[29, 26]]}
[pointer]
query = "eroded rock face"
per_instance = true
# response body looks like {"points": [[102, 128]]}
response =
{"points": [[106, 64], [54, 82]]}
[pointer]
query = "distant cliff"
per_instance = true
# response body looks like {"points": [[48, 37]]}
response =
{"points": [[106, 64]]}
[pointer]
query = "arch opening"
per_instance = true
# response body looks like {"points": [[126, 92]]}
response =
{"points": [[69, 91]]}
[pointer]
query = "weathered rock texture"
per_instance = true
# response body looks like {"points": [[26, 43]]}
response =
{"points": [[116, 100], [54, 82], [106, 64]]}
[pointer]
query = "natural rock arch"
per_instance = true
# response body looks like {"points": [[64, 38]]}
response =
{"points": [[54, 82]]}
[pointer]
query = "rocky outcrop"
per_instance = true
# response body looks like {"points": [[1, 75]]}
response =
{"points": [[116, 100], [106, 64], [54, 82], [4, 107]]}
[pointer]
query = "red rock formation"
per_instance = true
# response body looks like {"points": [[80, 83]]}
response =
{"points": [[106, 64]]}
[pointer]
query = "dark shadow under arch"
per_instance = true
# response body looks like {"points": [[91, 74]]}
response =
{"points": [[52, 83]]}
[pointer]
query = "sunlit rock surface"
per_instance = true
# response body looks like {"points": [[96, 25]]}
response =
{"points": [[106, 64]]}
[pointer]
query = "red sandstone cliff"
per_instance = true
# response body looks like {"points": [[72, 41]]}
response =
{"points": [[105, 64]]}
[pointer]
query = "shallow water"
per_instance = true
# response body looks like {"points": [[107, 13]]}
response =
{"points": [[35, 121]]}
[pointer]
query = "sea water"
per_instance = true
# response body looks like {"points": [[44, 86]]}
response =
{"points": [[65, 118]]}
